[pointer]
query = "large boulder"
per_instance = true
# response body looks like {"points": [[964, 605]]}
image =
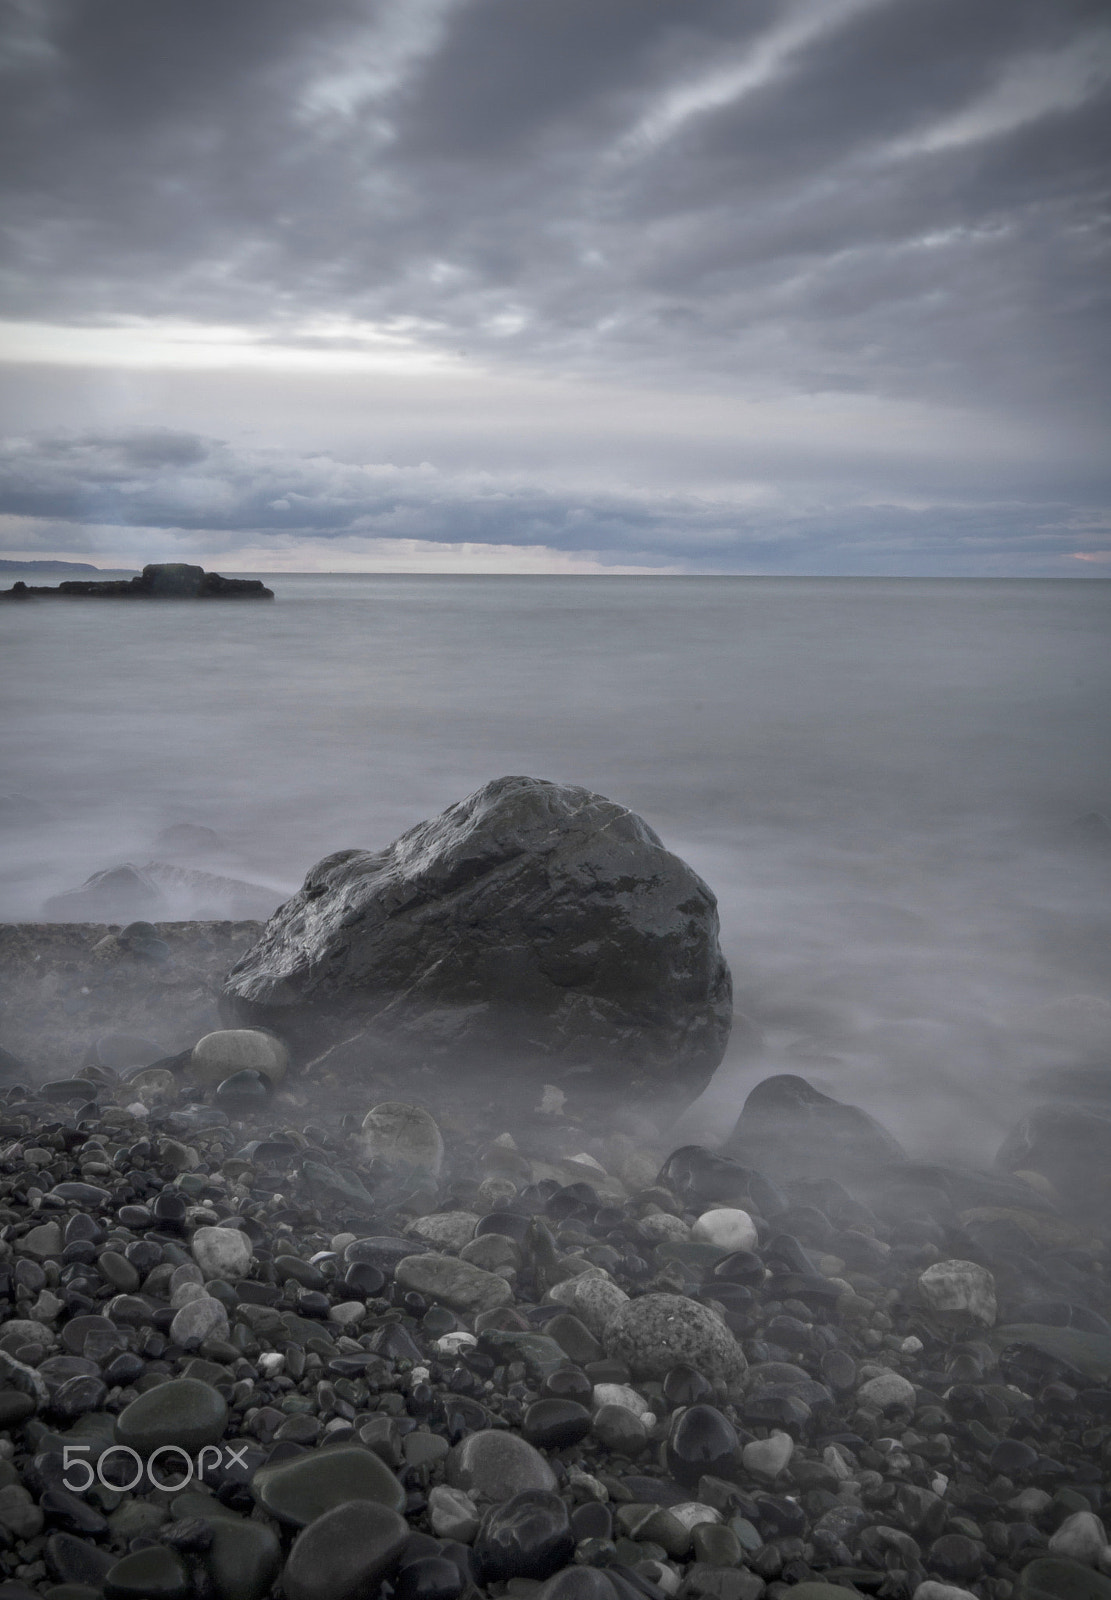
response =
{"points": [[532, 926]]}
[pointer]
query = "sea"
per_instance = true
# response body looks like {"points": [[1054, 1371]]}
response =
{"points": [[899, 790]]}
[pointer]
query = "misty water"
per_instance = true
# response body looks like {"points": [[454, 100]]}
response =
{"points": [[879, 780]]}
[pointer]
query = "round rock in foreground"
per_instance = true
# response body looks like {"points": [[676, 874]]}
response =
{"points": [[656, 1332]]}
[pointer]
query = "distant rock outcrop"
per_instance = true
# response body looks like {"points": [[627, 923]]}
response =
{"points": [[174, 580], [532, 929]]}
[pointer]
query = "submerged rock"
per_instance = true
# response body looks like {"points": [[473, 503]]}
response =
{"points": [[789, 1127], [532, 924]]}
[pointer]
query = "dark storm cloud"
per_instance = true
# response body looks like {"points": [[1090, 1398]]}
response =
{"points": [[904, 199], [190, 485], [553, 164]]}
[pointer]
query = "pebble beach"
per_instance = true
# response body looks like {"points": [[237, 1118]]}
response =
{"points": [[261, 1337]]}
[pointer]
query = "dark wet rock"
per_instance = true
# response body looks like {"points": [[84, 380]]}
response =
{"points": [[1055, 1578], [554, 1424], [244, 1092], [345, 1553], [791, 1127], [296, 1492], [528, 1536], [183, 1412], [593, 938], [155, 1573], [429, 1578], [701, 1440]]}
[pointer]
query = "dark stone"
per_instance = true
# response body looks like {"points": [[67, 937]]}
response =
{"points": [[244, 1092], [528, 1536], [583, 932], [429, 1578], [1056, 1578], [701, 1440], [183, 1412], [792, 1127], [554, 1424], [955, 1558], [345, 1553], [155, 1573], [299, 1491]]}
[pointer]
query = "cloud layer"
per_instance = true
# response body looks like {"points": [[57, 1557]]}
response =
{"points": [[885, 203]]}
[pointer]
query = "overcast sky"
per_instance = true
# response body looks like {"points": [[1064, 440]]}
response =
{"points": [[557, 285]]}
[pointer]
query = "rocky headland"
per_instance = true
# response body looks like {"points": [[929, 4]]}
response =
{"points": [[280, 1320], [173, 580]]}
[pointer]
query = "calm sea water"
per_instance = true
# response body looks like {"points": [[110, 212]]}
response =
{"points": [[878, 778]]}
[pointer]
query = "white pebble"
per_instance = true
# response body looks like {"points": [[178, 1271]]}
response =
{"points": [[727, 1228], [450, 1344], [767, 1458], [691, 1513], [962, 1286]]}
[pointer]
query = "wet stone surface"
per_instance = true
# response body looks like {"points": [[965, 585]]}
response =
{"points": [[289, 1346]]}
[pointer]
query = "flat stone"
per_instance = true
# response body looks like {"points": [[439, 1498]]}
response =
{"points": [[767, 1458], [297, 1492], [445, 1230], [182, 1411], [453, 1283]]}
